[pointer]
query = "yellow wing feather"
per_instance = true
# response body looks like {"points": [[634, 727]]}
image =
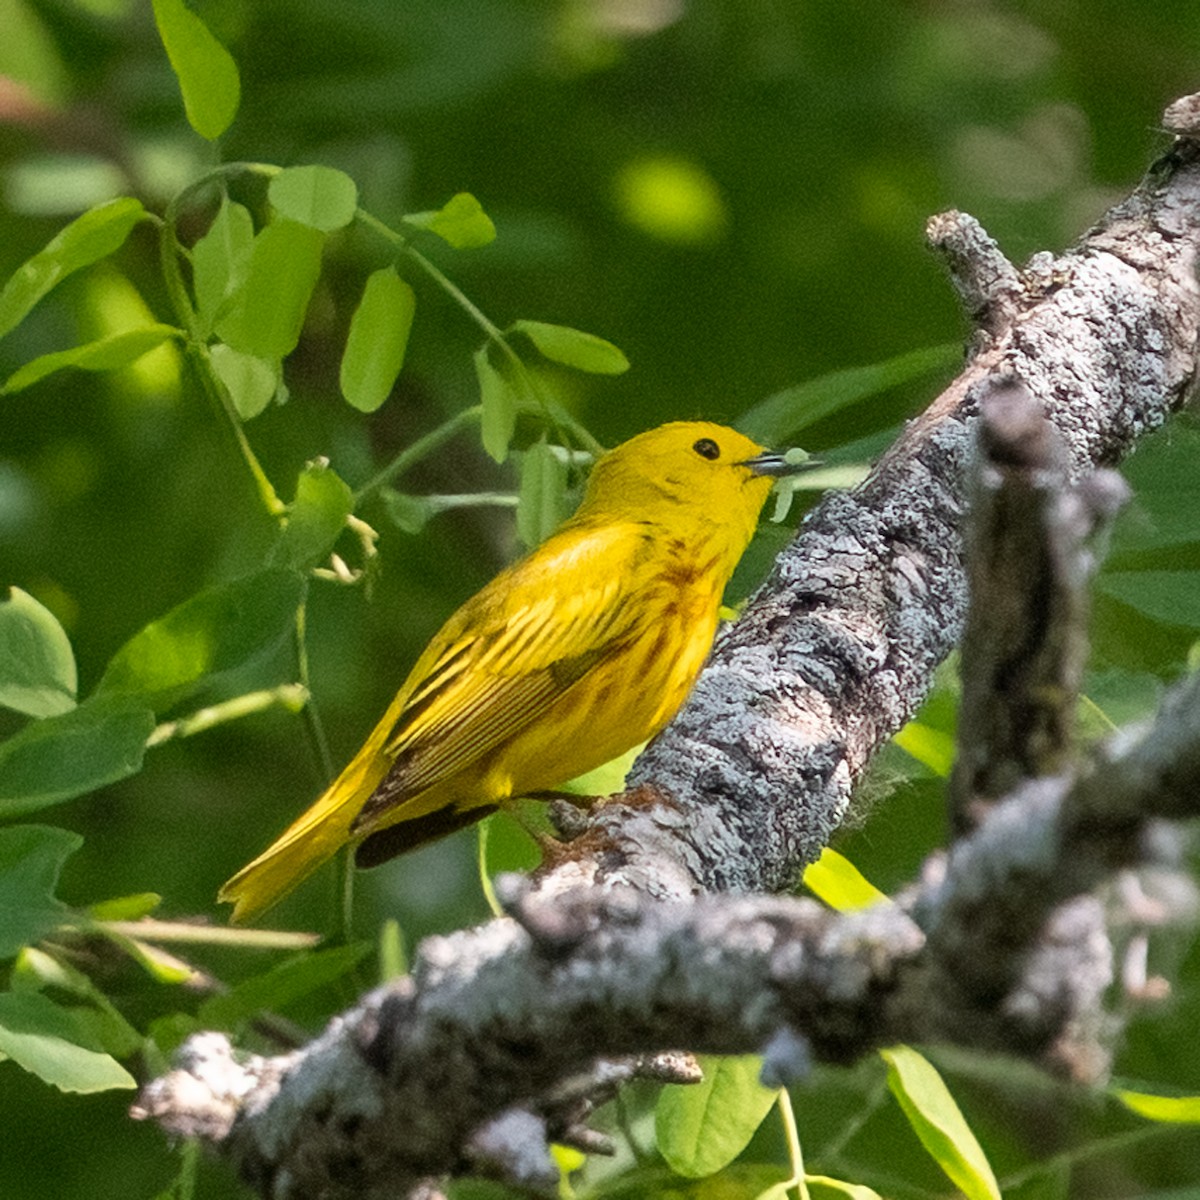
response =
{"points": [[499, 663], [583, 649]]}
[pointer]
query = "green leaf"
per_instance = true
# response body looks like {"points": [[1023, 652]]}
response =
{"points": [[43, 1038], [266, 313], [251, 382], [316, 517], [88, 238], [283, 985], [540, 501], [409, 513], [1172, 1110], [703, 1127], [221, 259], [1172, 597], [784, 414], [574, 348], [31, 858], [101, 1023], [937, 1121], [28, 54], [837, 881], [500, 401], [108, 354], [821, 1185], [377, 340], [320, 197], [61, 757], [393, 958], [37, 666], [162, 967], [461, 221], [933, 748], [216, 630], [207, 74], [125, 908]]}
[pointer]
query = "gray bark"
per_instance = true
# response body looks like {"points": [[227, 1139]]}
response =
{"points": [[625, 944]]}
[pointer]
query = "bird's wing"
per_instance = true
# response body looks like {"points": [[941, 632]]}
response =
{"points": [[509, 654]]}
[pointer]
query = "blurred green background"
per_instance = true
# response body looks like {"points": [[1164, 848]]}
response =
{"points": [[733, 193]]}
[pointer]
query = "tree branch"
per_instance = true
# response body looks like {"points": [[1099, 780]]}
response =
{"points": [[463, 1064], [837, 649], [1029, 566]]}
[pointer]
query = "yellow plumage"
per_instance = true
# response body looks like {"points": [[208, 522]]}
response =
{"points": [[565, 660]]}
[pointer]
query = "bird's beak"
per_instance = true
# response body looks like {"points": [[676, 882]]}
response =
{"points": [[777, 465]]}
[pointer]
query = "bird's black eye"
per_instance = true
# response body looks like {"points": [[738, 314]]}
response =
{"points": [[707, 448]]}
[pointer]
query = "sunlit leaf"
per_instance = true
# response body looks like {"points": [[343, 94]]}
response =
{"points": [[216, 630], [937, 1121], [931, 747], [377, 340], [107, 354], [393, 958], [540, 501], [605, 780], [42, 1037], [461, 221], [316, 517], [1172, 1110], [251, 382], [500, 401], [781, 416], [208, 76], [265, 314], [574, 348], [125, 908], [31, 858], [161, 966], [837, 881], [822, 1187], [37, 665], [283, 985], [321, 197], [221, 258], [87, 239], [703, 1127], [61, 757]]}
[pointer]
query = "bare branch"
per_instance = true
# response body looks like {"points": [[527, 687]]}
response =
{"points": [[1029, 563], [501, 1018], [833, 655], [838, 647]]}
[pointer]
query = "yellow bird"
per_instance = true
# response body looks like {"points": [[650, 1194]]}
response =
{"points": [[568, 658]]}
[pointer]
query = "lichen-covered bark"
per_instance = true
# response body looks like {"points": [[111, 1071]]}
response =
{"points": [[837, 649], [493, 1044]]}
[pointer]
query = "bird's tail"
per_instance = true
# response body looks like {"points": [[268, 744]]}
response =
{"points": [[311, 840]]}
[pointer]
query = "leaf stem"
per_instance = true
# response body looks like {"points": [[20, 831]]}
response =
{"points": [[213, 388], [420, 449], [312, 718], [172, 251], [183, 932], [787, 1116], [189, 1162], [483, 830], [559, 417], [289, 695]]}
